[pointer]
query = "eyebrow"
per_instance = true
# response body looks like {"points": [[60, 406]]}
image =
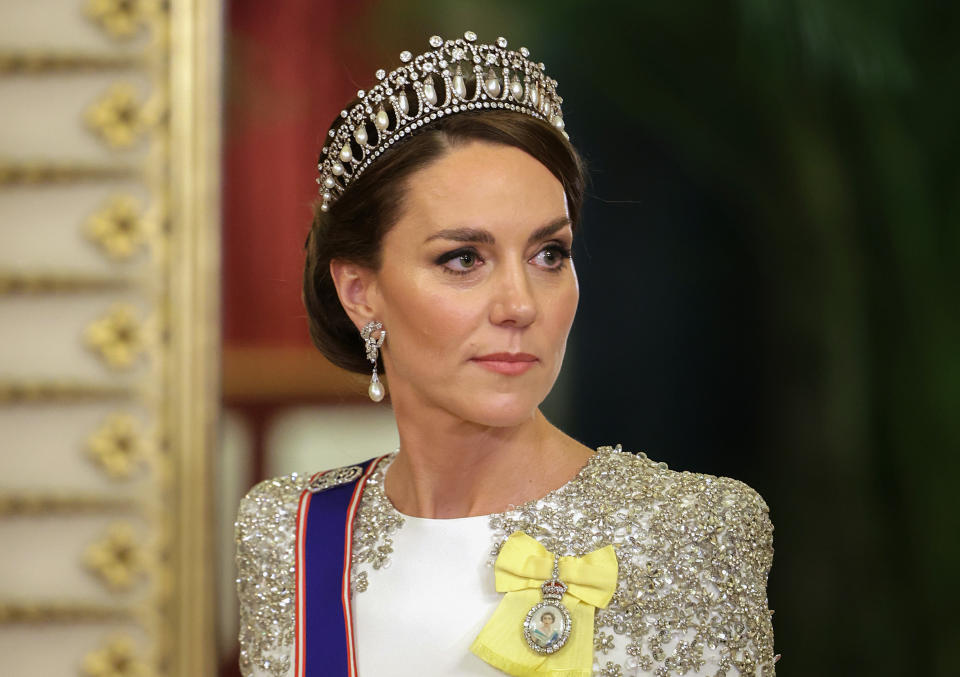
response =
{"points": [[486, 237]]}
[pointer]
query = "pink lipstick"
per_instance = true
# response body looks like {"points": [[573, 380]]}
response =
{"points": [[506, 363]]}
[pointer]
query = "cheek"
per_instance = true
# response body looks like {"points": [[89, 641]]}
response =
{"points": [[563, 308], [429, 317]]}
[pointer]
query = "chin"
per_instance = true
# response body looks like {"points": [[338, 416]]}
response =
{"points": [[502, 410]]}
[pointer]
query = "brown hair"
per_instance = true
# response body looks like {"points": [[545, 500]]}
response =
{"points": [[353, 228]]}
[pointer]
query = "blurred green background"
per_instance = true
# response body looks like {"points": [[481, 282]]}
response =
{"points": [[768, 263]]}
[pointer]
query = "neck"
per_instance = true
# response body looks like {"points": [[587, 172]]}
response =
{"points": [[458, 469]]}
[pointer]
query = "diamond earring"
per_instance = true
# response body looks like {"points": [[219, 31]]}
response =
{"points": [[376, 391]]}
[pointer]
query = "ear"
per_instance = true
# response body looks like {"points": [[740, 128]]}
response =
{"points": [[357, 289]]}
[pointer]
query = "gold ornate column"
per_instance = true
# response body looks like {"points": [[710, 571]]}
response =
{"points": [[109, 344]]}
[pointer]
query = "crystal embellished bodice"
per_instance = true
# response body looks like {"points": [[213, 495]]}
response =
{"points": [[694, 552]]}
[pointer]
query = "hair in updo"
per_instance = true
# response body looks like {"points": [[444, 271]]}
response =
{"points": [[353, 228]]}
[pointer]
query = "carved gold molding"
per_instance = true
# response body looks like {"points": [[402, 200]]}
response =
{"points": [[15, 173], [22, 504], [12, 613], [59, 283], [62, 392], [46, 61], [119, 657]]}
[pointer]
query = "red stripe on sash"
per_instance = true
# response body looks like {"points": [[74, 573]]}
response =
{"points": [[347, 557], [302, 509]]}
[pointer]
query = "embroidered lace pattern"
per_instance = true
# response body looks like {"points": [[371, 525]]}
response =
{"points": [[694, 553], [376, 522]]}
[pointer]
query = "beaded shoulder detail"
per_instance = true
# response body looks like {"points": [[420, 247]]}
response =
{"points": [[266, 535]]}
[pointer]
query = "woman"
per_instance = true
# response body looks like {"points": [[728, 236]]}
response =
{"points": [[545, 633], [440, 256]]}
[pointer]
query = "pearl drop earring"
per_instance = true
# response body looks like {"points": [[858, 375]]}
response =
{"points": [[376, 391]]}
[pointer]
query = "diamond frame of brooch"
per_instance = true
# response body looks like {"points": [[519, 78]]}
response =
{"points": [[528, 627], [504, 79]]}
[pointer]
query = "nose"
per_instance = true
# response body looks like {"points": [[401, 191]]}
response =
{"points": [[514, 303]]}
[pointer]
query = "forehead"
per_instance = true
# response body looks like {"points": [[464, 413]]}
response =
{"points": [[483, 185]]}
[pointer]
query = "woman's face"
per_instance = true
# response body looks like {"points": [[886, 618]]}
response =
{"points": [[476, 289]]}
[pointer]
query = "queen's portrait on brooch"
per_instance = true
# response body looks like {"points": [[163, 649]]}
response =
{"points": [[544, 632]]}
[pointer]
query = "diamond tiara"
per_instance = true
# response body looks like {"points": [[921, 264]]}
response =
{"points": [[426, 88]]}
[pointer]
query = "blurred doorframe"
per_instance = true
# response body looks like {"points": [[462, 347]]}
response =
{"points": [[195, 160]]}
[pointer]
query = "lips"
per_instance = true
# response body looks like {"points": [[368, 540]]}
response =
{"points": [[506, 363]]}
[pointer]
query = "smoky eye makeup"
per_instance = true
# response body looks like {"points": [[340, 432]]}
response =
{"points": [[459, 261], [551, 256]]}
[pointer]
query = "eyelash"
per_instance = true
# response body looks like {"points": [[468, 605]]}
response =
{"points": [[557, 247]]}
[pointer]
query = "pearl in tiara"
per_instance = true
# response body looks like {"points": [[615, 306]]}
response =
{"points": [[427, 87]]}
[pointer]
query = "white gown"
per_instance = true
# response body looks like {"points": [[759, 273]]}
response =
{"points": [[693, 551], [439, 575]]}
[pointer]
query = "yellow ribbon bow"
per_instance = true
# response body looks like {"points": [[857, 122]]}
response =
{"points": [[522, 566]]}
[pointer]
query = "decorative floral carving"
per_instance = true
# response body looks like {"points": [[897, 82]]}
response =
{"points": [[117, 558], [118, 446], [117, 337], [119, 658], [121, 19], [118, 117], [118, 228]]}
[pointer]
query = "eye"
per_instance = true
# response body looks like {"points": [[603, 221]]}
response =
{"points": [[460, 261], [552, 256]]}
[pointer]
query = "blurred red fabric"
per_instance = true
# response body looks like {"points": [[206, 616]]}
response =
{"points": [[285, 81]]}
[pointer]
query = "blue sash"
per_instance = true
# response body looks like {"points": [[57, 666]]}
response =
{"points": [[324, 621]]}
